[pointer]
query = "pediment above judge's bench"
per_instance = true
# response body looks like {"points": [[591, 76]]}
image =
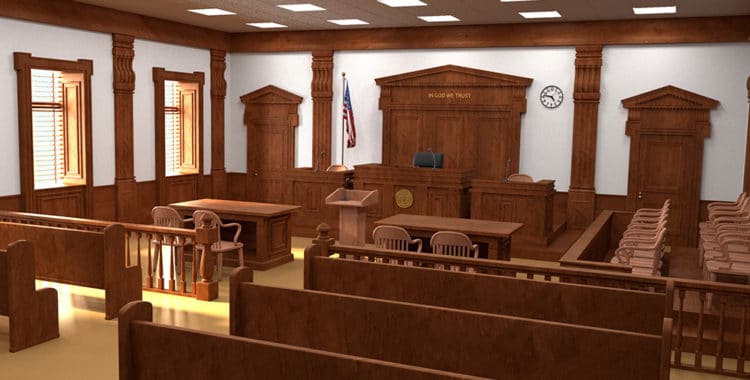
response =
{"points": [[670, 97], [453, 76], [270, 95]]}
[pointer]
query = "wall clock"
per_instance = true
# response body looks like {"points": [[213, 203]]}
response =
{"points": [[551, 96]]}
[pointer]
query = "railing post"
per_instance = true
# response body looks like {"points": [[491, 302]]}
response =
{"points": [[324, 240], [205, 235]]}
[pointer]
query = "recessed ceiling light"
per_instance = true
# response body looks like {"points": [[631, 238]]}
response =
{"points": [[212, 12], [301, 7], [654, 10], [266, 25], [403, 3], [542, 14], [442, 18], [349, 21]]}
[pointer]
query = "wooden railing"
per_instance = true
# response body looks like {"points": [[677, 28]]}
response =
{"points": [[152, 244], [590, 250], [711, 319]]}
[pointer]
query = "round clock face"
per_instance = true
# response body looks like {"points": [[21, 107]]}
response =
{"points": [[551, 96]]}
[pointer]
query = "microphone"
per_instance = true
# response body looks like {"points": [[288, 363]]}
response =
{"points": [[434, 161], [507, 169]]}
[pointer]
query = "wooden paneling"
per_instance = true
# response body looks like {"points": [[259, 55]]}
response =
{"points": [[105, 201], [218, 94], [11, 203], [237, 186], [147, 199], [89, 17], [667, 127], [308, 188], [746, 183], [638, 32], [322, 95], [124, 86], [583, 167], [270, 117], [472, 116]]}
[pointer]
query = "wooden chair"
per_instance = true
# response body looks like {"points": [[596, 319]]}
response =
{"points": [[166, 216], [518, 177], [221, 246], [395, 238], [453, 243]]}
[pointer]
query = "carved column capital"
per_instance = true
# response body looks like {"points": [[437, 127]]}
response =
{"points": [[322, 67], [321, 90], [218, 66], [122, 62]]}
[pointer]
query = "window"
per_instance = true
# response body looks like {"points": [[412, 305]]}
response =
{"points": [[181, 121], [57, 128]]}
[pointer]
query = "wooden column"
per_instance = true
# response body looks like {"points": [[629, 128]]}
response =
{"points": [[322, 94], [218, 94], [124, 85], [746, 185], [581, 196]]}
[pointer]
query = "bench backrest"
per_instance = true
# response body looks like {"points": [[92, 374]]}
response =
{"points": [[153, 351], [611, 308], [478, 344]]}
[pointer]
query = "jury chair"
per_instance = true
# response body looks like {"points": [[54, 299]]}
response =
{"points": [[453, 243], [165, 216], [221, 246], [518, 177], [395, 238]]}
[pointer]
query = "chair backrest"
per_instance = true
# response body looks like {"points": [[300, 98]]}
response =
{"points": [[166, 216], [213, 220], [391, 237], [518, 177], [453, 244]]}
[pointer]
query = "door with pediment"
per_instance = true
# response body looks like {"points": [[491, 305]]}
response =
{"points": [[667, 127]]}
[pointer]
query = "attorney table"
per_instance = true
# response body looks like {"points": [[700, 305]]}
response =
{"points": [[266, 235], [492, 237]]}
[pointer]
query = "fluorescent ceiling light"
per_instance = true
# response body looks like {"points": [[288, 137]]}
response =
{"points": [[349, 21], [266, 25], [542, 14], [301, 7], [654, 10], [403, 3], [212, 12], [443, 18]]}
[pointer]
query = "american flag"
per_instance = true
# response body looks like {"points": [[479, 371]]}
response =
{"points": [[351, 133]]}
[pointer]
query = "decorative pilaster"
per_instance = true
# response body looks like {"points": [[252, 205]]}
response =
{"points": [[746, 185], [581, 196], [218, 94], [322, 94], [124, 85]]}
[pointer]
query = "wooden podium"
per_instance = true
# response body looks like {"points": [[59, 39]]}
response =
{"points": [[352, 211]]}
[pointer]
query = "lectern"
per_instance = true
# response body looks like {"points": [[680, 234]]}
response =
{"points": [[352, 206]]}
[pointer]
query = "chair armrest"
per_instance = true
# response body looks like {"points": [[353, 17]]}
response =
{"points": [[187, 220], [475, 249], [236, 234], [418, 242]]}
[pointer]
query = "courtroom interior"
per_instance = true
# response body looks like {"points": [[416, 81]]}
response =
{"points": [[284, 189]]}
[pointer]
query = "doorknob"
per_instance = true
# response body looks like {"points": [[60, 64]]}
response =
{"points": [[640, 195], [255, 173]]}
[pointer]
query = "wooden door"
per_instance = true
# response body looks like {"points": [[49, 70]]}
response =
{"points": [[266, 160], [665, 169]]}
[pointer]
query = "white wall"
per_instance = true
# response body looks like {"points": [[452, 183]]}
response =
{"points": [[149, 54], [718, 71], [46, 41], [546, 135], [249, 72]]}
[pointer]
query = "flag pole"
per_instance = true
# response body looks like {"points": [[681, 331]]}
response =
{"points": [[343, 125]]}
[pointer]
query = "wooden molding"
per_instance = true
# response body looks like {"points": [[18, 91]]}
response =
{"points": [[99, 19], [586, 94], [609, 32], [191, 182], [322, 95], [746, 185], [23, 63], [124, 85], [218, 96]]}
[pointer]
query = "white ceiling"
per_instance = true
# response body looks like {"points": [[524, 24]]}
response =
{"points": [[470, 12]]}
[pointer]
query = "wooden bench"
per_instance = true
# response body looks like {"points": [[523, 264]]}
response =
{"points": [[595, 306], [32, 313], [473, 343], [85, 258], [149, 350]]}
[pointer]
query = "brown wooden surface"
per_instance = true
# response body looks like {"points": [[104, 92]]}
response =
{"points": [[265, 234], [149, 350], [528, 203], [568, 303], [467, 342], [609, 32], [746, 182], [471, 116], [322, 96], [667, 127], [494, 237], [591, 250], [218, 95], [85, 258], [581, 195], [308, 189], [124, 85], [32, 313], [271, 117], [68, 200]]}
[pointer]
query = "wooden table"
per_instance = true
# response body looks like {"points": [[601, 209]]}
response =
{"points": [[265, 234], [493, 237]]}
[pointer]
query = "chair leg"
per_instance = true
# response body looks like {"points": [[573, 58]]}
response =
{"points": [[242, 258], [219, 262]]}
